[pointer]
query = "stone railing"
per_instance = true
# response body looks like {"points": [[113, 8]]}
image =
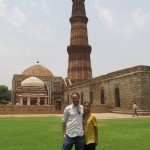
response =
{"points": [[13, 109]]}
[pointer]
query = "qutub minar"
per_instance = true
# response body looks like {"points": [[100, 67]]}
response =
{"points": [[79, 50]]}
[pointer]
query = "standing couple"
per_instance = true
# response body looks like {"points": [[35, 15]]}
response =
{"points": [[79, 126]]}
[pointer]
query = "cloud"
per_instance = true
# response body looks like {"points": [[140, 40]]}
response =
{"points": [[32, 2], [129, 31], [14, 17], [41, 31], [140, 19], [2, 8], [105, 15], [44, 4], [18, 18]]}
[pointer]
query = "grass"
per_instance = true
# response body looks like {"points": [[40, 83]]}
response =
{"points": [[45, 133], [125, 134]]}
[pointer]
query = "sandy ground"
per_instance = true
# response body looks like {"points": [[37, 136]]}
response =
{"points": [[98, 115]]}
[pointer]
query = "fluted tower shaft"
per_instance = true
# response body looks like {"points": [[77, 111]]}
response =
{"points": [[79, 50]]}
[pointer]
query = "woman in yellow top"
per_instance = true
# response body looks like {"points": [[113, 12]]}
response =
{"points": [[90, 128]]}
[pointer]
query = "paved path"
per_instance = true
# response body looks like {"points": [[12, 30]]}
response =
{"points": [[98, 115]]}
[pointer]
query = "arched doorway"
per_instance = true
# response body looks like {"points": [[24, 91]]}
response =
{"points": [[117, 97], [91, 97], [102, 97], [68, 99], [82, 98]]}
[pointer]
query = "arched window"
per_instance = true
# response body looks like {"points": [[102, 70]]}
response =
{"points": [[91, 97], [102, 100], [82, 98], [117, 97]]}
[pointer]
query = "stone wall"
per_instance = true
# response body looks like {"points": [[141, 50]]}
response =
{"points": [[129, 91], [132, 83], [145, 93], [99, 108], [13, 109]]}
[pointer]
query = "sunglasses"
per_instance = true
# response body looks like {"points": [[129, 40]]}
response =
{"points": [[78, 110]]}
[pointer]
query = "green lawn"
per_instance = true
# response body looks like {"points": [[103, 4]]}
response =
{"points": [[46, 134]]}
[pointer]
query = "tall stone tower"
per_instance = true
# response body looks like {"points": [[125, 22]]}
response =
{"points": [[79, 62]]}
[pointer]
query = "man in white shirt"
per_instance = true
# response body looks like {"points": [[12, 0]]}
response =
{"points": [[72, 124]]}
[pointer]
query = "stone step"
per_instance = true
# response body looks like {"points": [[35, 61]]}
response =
{"points": [[126, 111]]}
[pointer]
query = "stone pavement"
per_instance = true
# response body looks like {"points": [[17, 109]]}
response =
{"points": [[98, 115]]}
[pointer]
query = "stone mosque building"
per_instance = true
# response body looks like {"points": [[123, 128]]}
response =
{"points": [[37, 85]]}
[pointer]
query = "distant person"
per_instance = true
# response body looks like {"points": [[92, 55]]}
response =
{"points": [[72, 124], [135, 110], [90, 128]]}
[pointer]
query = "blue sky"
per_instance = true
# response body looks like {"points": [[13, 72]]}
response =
{"points": [[39, 30]]}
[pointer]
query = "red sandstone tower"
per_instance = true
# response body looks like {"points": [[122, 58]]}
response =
{"points": [[79, 63]]}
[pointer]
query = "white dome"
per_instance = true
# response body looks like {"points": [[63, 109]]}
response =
{"points": [[32, 81]]}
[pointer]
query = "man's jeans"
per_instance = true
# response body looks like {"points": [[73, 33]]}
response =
{"points": [[77, 141]]}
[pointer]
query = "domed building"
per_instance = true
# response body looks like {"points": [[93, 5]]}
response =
{"points": [[37, 86]]}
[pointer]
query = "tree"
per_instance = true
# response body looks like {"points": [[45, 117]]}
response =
{"points": [[5, 94]]}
